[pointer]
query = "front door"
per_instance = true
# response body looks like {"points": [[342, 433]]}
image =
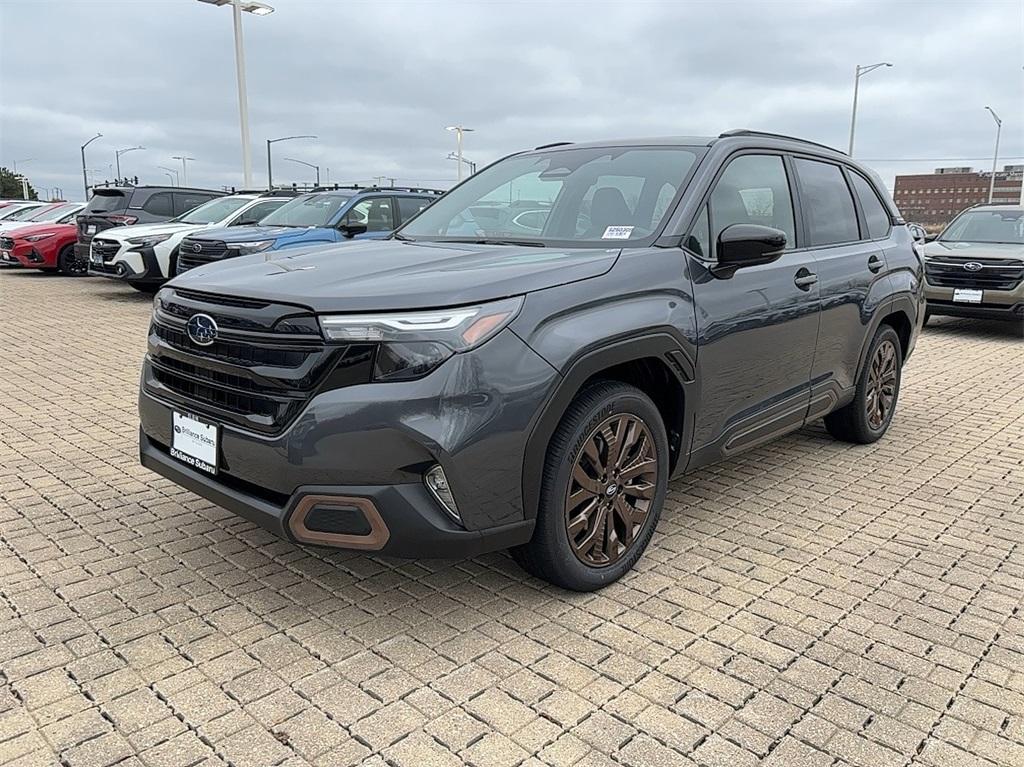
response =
{"points": [[757, 328]]}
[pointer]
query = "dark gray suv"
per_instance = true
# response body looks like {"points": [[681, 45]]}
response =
{"points": [[484, 380]]}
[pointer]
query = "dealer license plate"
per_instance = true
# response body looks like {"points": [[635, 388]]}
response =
{"points": [[966, 296], [195, 442], [5, 255], [90, 229]]}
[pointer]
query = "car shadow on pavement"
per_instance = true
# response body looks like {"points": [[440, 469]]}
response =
{"points": [[956, 326]]}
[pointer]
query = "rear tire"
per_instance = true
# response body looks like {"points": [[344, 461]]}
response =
{"points": [[867, 418], [70, 266], [603, 488]]}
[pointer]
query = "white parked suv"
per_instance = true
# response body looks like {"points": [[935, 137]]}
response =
{"points": [[145, 255]]}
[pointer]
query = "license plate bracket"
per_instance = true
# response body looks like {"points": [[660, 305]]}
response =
{"points": [[195, 441]]}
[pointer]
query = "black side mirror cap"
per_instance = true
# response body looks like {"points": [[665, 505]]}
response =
{"points": [[351, 230], [741, 245]]}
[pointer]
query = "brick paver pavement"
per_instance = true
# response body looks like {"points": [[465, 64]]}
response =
{"points": [[809, 603]]}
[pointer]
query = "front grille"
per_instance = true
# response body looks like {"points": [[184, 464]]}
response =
{"points": [[993, 275], [6, 243], [208, 250], [102, 268], [106, 249], [260, 372]]}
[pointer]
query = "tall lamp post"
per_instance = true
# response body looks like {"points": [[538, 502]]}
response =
{"points": [[85, 173], [860, 72], [308, 165], [995, 156], [176, 179], [270, 168], [257, 9], [184, 167], [459, 130], [24, 181], [119, 152]]}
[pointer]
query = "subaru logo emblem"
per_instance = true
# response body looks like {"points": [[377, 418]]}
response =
{"points": [[201, 329], [197, 248], [973, 266]]}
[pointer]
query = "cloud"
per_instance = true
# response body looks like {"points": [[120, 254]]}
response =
{"points": [[378, 81]]}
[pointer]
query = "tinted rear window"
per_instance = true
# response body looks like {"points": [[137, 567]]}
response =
{"points": [[104, 200]]}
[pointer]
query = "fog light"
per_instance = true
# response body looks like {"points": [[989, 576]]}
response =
{"points": [[437, 483]]}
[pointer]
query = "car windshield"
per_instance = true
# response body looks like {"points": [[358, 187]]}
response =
{"points": [[50, 213], [309, 210], [213, 211], [22, 213], [585, 197], [996, 226]]}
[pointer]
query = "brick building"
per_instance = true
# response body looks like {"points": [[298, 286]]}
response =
{"points": [[933, 199]]}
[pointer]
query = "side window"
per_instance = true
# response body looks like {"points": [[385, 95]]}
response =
{"points": [[410, 206], [185, 201], [754, 190], [699, 241], [159, 204], [258, 211], [827, 204], [374, 212], [875, 214]]}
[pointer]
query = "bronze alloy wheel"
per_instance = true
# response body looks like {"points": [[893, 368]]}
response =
{"points": [[881, 389], [611, 489]]}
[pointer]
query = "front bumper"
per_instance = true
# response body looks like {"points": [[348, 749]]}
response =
{"points": [[995, 304], [374, 442], [134, 265]]}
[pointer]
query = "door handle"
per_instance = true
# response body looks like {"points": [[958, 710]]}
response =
{"points": [[875, 264], [804, 279]]}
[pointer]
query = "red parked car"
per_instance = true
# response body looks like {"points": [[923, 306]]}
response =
{"points": [[43, 246]]}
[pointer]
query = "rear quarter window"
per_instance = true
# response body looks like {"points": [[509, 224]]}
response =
{"points": [[875, 214]]}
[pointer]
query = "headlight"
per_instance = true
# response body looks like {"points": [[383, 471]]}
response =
{"points": [[38, 237], [256, 246], [151, 239], [414, 343]]}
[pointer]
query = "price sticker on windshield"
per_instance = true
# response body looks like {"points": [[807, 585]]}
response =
{"points": [[617, 233]]}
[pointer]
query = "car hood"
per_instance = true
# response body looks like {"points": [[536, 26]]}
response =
{"points": [[146, 230], [973, 250], [371, 275], [254, 233], [28, 231]]}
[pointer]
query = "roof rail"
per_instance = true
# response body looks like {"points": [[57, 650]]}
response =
{"points": [[414, 189], [557, 143], [766, 134]]}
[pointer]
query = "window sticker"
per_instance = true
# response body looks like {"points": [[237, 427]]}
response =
{"points": [[617, 233]]}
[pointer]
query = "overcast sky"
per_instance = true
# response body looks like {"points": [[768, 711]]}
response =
{"points": [[378, 81]]}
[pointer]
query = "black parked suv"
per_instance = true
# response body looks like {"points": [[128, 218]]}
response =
{"points": [[112, 206], [466, 385]]}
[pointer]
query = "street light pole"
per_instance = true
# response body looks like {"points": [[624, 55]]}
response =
{"points": [[176, 181], [308, 165], [858, 73], [119, 152], [24, 182], [184, 167], [459, 130], [257, 9], [995, 156], [270, 169], [85, 175]]}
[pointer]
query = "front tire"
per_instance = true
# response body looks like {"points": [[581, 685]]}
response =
{"points": [[867, 418], [603, 488], [70, 266], [145, 287]]}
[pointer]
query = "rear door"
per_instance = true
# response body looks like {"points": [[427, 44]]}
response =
{"points": [[847, 230], [411, 206], [756, 328], [186, 201]]}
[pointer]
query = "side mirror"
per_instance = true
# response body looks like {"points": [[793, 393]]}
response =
{"points": [[351, 230], [742, 245], [246, 222]]}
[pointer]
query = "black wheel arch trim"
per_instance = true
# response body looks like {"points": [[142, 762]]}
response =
{"points": [[899, 304], [662, 345]]}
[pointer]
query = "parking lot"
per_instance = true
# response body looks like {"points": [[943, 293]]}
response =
{"points": [[809, 603]]}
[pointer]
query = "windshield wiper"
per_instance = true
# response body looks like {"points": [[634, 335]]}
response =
{"points": [[402, 237], [496, 241]]}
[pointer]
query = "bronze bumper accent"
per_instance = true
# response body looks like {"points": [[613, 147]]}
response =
{"points": [[372, 541]]}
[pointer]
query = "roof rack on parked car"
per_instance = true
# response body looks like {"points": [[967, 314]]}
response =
{"points": [[766, 134], [413, 189], [556, 143], [261, 192]]}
